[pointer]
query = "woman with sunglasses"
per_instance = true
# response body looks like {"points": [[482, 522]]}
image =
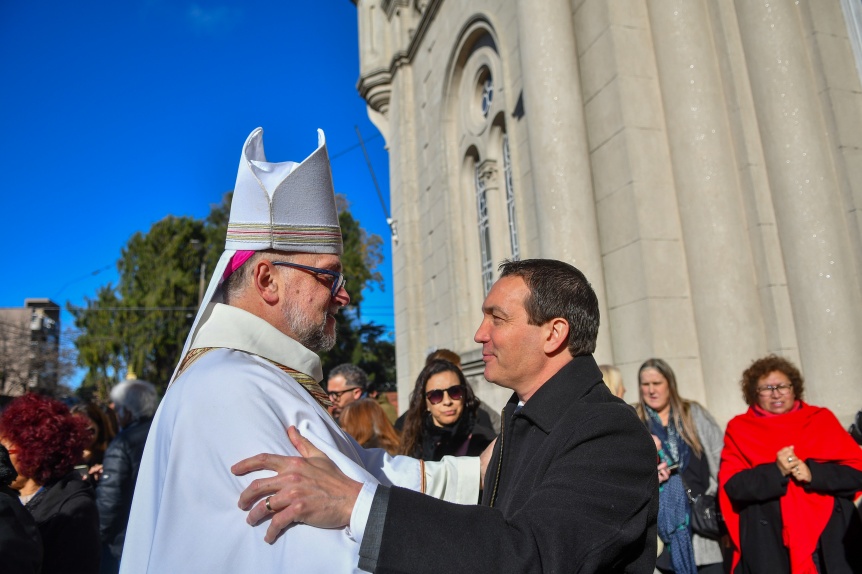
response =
{"points": [[442, 417], [789, 474]]}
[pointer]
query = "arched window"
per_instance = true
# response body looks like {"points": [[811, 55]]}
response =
{"points": [[484, 231], [510, 200]]}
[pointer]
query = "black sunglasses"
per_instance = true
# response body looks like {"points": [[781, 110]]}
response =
{"points": [[455, 392]]}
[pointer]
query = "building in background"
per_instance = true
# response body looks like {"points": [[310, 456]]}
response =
{"points": [[700, 161], [29, 348]]}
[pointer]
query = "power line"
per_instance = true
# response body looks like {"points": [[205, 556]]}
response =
{"points": [[351, 148], [81, 278]]}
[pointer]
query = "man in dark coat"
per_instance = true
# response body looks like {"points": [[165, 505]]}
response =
{"points": [[135, 403], [571, 485]]}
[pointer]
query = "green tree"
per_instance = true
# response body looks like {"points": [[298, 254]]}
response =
{"points": [[141, 323]]}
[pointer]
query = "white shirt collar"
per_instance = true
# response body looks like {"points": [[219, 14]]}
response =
{"points": [[233, 328]]}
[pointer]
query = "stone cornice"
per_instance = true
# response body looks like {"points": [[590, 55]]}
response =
{"points": [[373, 86]]}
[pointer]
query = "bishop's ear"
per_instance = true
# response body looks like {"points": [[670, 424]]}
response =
{"points": [[265, 277]]}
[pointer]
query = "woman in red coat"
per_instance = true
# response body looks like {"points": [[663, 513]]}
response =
{"points": [[789, 474]]}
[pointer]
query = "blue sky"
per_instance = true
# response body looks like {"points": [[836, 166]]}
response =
{"points": [[114, 115]]}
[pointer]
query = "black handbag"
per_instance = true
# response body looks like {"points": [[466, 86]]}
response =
{"points": [[705, 516]]}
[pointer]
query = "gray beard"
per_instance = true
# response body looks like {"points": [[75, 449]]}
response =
{"points": [[311, 335]]}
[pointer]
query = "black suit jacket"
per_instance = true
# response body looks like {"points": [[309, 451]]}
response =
{"points": [[573, 486]]}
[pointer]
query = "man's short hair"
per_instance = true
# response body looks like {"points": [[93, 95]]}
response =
{"points": [[353, 375], [558, 289], [136, 397]]}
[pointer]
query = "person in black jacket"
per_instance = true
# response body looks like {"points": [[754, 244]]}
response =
{"points": [[45, 441], [135, 403], [443, 416], [571, 485], [20, 541]]}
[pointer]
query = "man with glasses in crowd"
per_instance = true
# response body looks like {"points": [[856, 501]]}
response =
{"points": [[346, 383], [249, 370], [571, 485]]}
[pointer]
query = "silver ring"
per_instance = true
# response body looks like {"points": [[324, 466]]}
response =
{"points": [[789, 459], [268, 507]]}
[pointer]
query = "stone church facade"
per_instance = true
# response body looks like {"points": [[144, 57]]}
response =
{"points": [[699, 160]]}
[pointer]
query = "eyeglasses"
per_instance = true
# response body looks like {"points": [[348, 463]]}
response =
{"points": [[455, 392], [337, 281], [782, 389], [336, 395]]}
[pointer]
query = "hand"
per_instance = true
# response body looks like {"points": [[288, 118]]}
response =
{"points": [[484, 459], [786, 460], [309, 490], [801, 473], [789, 464], [663, 472], [95, 472]]}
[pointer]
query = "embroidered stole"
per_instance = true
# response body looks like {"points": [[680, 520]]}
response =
{"points": [[307, 382]]}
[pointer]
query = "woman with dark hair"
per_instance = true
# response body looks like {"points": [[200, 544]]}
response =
{"points": [[789, 475], [102, 430], [689, 442], [45, 441], [442, 417], [366, 421]]}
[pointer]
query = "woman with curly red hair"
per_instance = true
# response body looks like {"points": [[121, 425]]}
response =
{"points": [[789, 473], [45, 441]]}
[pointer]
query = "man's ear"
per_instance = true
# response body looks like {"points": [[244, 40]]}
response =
{"points": [[556, 335], [266, 281]]}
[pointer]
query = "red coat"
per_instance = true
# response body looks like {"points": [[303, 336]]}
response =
{"points": [[751, 444]]}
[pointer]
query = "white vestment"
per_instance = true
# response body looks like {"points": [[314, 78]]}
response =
{"points": [[232, 403]]}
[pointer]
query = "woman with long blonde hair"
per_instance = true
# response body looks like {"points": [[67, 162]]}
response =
{"points": [[689, 442]]}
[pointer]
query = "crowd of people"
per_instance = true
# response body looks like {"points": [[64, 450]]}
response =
{"points": [[568, 477], [782, 482], [67, 479], [783, 477]]}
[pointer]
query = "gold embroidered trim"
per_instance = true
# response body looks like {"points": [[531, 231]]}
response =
{"points": [[308, 383], [192, 356]]}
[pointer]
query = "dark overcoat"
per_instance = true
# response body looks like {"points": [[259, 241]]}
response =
{"points": [[757, 493], [65, 512], [571, 487]]}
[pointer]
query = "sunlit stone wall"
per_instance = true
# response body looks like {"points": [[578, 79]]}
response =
{"points": [[700, 161]]}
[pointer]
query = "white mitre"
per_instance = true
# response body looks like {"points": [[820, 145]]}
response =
{"points": [[287, 206]]}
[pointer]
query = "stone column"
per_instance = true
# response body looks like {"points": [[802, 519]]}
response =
{"points": [[559, 152], [827, 307], [726, 303]]}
